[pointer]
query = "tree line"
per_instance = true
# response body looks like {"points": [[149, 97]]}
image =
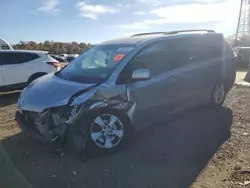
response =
{"points": [[54, 47], [78, 48]]}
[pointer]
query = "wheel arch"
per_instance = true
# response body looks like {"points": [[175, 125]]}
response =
{"points": [[36, 75], [122, 108], [80, 143]]}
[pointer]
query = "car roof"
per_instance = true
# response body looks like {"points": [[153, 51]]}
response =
{"points": [[23, 51], [144, 37], [130, 40]]}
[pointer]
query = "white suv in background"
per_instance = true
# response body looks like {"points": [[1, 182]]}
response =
{"points": [[4, 45], [20, 67]]}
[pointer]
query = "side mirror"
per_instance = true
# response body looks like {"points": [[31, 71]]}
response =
{"points": [[141, 74]]}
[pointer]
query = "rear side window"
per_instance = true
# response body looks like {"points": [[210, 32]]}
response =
{"points": [[161, 57], [16, 58], [5, 47], [174, 53], [167, 55], [212, 47], [183, 51], [152, 57]]}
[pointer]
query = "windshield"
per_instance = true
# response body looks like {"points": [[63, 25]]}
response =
{"points": [[95, 65]]}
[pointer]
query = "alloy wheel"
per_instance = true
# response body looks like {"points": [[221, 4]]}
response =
{"points": [[107, 131], [219, 94]]}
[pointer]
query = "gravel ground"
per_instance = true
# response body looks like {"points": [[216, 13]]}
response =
{"points": [[205, 148]]}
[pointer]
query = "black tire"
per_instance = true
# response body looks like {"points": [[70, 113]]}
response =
{"points": [[75, 140], [80, 141], [222, 97]]}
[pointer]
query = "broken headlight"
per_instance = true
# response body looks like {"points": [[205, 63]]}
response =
{"points": [[77, 104], [74, 110]]}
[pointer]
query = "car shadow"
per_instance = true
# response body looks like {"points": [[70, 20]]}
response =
{"points": [[171, 153], [8, 98]]}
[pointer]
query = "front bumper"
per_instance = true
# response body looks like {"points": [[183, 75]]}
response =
{"points": [[29, 129]]}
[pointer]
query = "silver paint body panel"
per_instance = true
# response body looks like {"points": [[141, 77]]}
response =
{"points": [[144, 101]]}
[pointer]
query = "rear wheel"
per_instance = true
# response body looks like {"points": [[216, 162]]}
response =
{"points": [[218, 94]]}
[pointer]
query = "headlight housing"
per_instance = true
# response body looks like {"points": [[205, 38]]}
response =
{"points": [[83, 98], [77, 104], [75, 109]]}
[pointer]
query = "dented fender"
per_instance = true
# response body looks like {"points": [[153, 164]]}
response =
{"points": [[103, 97]]}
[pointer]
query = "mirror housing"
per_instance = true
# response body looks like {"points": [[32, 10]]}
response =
{"points": [[140, 75]]}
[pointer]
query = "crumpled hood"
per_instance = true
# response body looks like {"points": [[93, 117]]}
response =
{"points": [[48, 91]]}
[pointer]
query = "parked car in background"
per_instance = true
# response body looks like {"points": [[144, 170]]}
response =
{"points": [[243, 56], [4, 45], [68, 57], [58, 58], [20, 67], [63, 55], [123, 85]]}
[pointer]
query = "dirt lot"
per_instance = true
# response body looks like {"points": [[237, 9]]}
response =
{"points": [[206, 148]]}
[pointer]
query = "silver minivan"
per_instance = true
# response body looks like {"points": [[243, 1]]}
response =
{"points": [[123, 85]]}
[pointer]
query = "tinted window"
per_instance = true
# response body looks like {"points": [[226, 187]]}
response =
{"points": [[163, 56], [152, 57], [183, 51], [16, 58], [5, 47], [212, 46]]}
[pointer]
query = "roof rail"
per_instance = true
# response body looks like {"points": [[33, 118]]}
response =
{"points": [[190, 30], [175, 32], [152, 33]]}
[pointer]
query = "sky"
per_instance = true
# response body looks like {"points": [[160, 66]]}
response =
{"points": [[95, 21]]}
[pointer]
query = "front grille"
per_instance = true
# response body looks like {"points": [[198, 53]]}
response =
{"points": [[39, 118], [41, 121], [62, 111], [45, 122]]}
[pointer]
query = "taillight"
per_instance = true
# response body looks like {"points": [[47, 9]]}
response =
{"points": [[53, 63]]}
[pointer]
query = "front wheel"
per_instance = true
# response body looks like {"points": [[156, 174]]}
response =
{"points": [[218, 94], [105, 132]]}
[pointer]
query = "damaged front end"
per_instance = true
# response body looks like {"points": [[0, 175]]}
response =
{"points": [[46, 126], [52, 123]]}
